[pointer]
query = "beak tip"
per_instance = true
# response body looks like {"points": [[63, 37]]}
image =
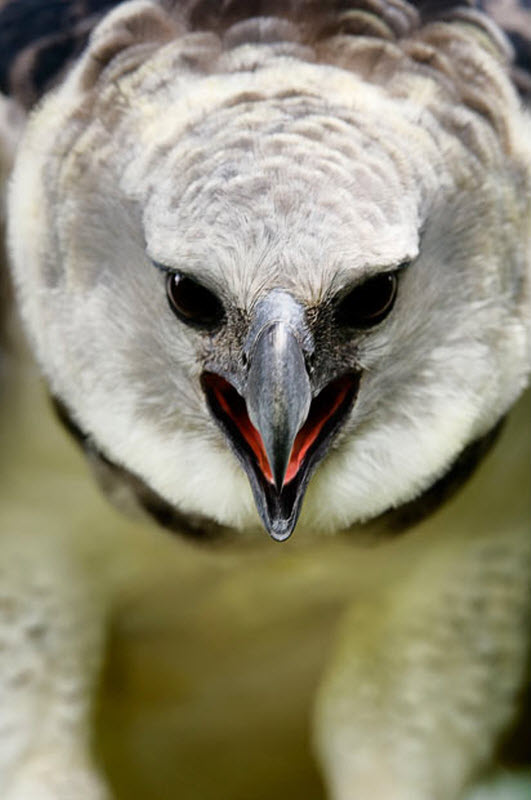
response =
{"points": [[280, 531]]}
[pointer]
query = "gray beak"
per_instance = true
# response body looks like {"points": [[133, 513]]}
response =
{"points": [[278, 428], [278, 393]]}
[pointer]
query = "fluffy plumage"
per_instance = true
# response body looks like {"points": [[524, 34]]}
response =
{"points": [[304, 159], [298, 147]]}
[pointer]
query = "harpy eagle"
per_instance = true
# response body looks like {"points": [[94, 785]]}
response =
{"points": [[273, 257]]}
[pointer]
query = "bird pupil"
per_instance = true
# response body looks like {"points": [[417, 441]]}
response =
{"points": [[192, 302], [369, 303]]}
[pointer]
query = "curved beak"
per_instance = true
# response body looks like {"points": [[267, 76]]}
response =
{"points": [[277, 427], [278, 395]]}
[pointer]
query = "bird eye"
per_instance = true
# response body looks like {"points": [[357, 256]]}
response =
{"points": [[193, 303], [369, 303]]}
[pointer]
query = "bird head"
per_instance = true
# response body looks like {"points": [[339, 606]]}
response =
{"points": [[255, 278]]}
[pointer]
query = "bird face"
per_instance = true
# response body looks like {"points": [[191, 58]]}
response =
{"points": [[263, 294], [258, 266]]}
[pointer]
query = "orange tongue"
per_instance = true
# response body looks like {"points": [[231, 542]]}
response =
{"points": [[322, 409]]}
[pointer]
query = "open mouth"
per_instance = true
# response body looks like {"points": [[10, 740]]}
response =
{"points": [[280, 508]]}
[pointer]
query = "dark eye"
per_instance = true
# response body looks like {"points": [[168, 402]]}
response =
{"points": [[369, 303], [192, 302]]}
